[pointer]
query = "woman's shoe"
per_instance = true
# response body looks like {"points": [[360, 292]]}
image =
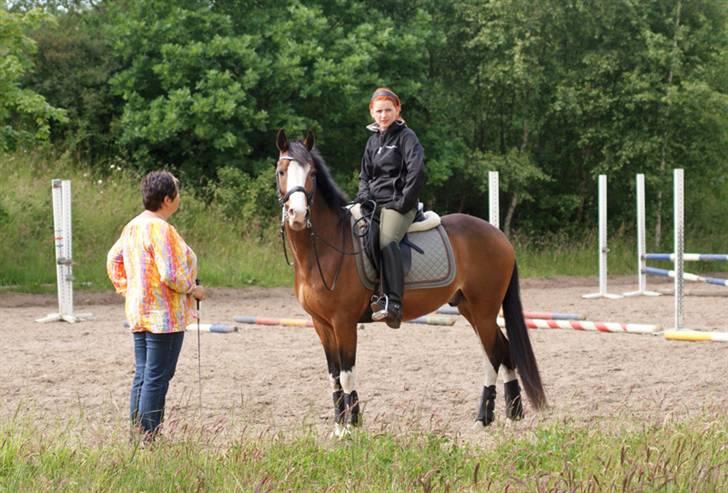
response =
{"points": [[394, 315]]}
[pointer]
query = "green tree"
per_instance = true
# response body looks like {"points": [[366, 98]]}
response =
{"points": [[25, 115], [615, 87], [499, 47], [206, 87], [73, 65]]}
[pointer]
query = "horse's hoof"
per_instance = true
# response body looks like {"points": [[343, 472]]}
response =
{"points": [[515, 412], [479, 425]]}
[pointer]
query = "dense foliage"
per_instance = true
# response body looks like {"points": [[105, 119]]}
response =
{"points": [[549, 93], [25, 115]]}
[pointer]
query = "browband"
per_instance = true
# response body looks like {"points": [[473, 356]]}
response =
{"points": [[386, 93]]}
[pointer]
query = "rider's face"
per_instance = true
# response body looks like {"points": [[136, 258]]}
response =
{"points": [[384, 113]]}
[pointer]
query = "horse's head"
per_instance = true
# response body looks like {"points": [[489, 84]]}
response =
{"points": [[296, 179]]}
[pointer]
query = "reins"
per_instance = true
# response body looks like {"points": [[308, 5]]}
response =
{"points": [[314, 236]]}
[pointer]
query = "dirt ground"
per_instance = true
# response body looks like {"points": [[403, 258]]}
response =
{"points": [[273, 379]]}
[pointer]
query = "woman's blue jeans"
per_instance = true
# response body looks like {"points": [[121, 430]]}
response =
{"points": [[155, 358]]}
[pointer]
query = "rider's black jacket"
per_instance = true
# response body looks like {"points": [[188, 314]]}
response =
{"points": [[392, 168]]}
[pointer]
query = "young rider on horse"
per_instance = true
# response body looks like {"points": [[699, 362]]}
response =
{"points": [[392, 175]]}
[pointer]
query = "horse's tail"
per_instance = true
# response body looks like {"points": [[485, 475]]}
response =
{"points": [[520, 345]]}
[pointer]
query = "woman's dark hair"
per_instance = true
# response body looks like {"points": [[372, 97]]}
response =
{"points": [[157, 185]]}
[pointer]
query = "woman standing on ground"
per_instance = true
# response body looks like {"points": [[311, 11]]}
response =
{"points": [[155, 270], [392, 175]]}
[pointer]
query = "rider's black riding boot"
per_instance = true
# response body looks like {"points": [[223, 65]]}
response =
{"points": [[393, 284]]}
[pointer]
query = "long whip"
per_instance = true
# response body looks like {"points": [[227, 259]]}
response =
{"points": [[199, 364]]}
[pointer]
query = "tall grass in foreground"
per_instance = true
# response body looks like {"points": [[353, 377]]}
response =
{"points": [[231, 253], [674, 456]]}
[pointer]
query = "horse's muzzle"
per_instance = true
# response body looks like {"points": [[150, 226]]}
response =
{"points": [[296, 219]]}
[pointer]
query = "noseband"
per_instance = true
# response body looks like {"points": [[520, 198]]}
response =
{"points": [[282, 199]]}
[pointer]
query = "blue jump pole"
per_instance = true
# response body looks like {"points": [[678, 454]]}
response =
{"points": [[687, 276], [691, 257]]}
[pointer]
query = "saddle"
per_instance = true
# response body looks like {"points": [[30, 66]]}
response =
{"points": [[427, 256]]}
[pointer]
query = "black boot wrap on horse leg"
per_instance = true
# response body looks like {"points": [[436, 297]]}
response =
{"points": [[512, 395], [487, 405], [393, 282], [339, 406], [352, 406]]}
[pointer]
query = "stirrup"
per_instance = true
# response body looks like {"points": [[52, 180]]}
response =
{"points": [[376, 303], [380, 308]]}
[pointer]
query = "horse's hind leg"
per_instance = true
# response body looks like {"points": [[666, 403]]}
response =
{"points": [[511, 389], [494, 344]]}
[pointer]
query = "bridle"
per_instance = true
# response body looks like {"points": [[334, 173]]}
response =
{"points": [[282, 199]]}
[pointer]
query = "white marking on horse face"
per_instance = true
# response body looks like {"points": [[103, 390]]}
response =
{"points": [[296, 204], [347, 380], [508, 374]]}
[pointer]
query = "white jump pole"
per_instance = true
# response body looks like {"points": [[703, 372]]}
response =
{"points": [[61, 192], [679, 244], [494, 208], [603, 250], [641, 243]]}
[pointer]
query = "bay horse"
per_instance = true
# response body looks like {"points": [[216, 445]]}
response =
{"points": [[327, 285]]}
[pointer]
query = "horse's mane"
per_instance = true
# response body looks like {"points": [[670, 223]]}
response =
{"points": [[334, 197]]}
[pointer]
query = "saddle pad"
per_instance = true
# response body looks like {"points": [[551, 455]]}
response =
{"points": [[434, 269]]}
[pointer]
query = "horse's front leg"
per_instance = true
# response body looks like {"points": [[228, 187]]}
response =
{"points": [[328, 341], [339, 345], [346, 338]]}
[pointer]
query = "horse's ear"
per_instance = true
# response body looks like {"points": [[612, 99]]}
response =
{"points": [[310, 140], [282, 140]]}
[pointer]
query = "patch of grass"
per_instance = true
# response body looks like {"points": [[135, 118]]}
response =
{"points": [[688, 455], [229, 254]]}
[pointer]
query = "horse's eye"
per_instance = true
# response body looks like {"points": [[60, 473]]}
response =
{"points": [[281, 172]]}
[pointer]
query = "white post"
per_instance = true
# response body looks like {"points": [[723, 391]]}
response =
{"points": [[603, 250], [641, 242], [494, 209], [679, 245], [61, 192]]}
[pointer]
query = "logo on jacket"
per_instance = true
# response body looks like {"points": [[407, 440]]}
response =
{"points": [[386, 147]]}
